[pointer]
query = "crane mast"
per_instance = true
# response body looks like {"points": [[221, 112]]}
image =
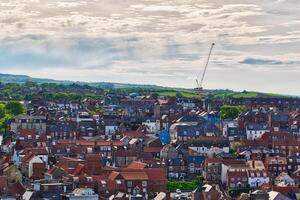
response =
{"points": [[199, 85]]}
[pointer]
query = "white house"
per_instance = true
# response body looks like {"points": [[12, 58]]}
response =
{"points": [[256, 178], [255, 131], [284, 179], [83, 194], [111, 129], [210, 151], [152, 125]]}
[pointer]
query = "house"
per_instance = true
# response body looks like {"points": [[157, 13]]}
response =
{"points": [[63, 129], [176, 168], [278, 120], [209, 146], [231, 130], [207, 192], [277, 196], [167, 106], [81, 194], [55, 173], [234, 165], [111, 126], [33, 166], [212, 170], [36, 168], [22, 121], [296, 176], [257, 178], [275, 165], [259, 195], [293, 161], [195, 164], [152, 125], [52, 188], [182, 132], [255, 131], [137, 106], [237, 178], [284, 179], [133, 180], [86, 125], [168, 152], [253, 116]]}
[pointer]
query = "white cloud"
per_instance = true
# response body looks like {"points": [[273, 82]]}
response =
{"points": [[166, 42]]}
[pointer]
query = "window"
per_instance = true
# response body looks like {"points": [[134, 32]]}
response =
{"points": [[76, 179], [144, 183], [129, 183], [89, 179]]}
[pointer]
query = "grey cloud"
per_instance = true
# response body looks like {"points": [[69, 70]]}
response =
{"points": [[258, 61]]}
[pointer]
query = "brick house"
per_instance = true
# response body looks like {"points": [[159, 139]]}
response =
{"points": [[275, 165]]}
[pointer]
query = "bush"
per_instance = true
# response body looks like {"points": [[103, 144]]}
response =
{"points": [[237, 191], [185, 185], [231, 112]]}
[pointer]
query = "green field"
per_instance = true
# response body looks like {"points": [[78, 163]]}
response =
{"points": [[178, 93]]}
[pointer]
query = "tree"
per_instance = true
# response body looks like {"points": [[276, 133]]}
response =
{"points": [[231, 112], [2, 111], [14, 108], [179, 95]]}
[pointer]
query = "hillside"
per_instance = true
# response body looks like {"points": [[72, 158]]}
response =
{"points": [[145, 89]]}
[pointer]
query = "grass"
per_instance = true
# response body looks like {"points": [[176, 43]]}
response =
{"points": [[172, 186], [181, 93], [223, 94]]}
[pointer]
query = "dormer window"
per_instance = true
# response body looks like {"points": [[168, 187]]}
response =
{"points": [[89, 179], [76, 179]]}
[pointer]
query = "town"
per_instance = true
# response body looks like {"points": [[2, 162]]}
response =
{"points": [[99, 143]]}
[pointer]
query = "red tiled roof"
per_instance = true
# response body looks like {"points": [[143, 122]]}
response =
{"points": [[233, 162], [5, 159], [239, 174], [78, 170], [213, 160], [136, 165], [113, 175], [286, 190], [108, 143], [16, 189], [52, 170], [158, 174], [37, 150], [152, 149], [134, 134], [24, 144], [134, 175], [65, 142], [26, 132], [3, 182], [27, 157], [85, 143]]}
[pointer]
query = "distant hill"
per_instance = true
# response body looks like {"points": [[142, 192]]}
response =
{"points": [[163, 91], [21, 79]]}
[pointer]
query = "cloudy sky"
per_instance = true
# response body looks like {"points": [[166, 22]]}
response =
{"points": [[155, 41]]}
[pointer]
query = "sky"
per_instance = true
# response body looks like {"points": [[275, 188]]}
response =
{"points": [[162, 42]]}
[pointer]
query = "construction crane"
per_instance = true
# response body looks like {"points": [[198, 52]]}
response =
{"points": [[199, 84]]}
